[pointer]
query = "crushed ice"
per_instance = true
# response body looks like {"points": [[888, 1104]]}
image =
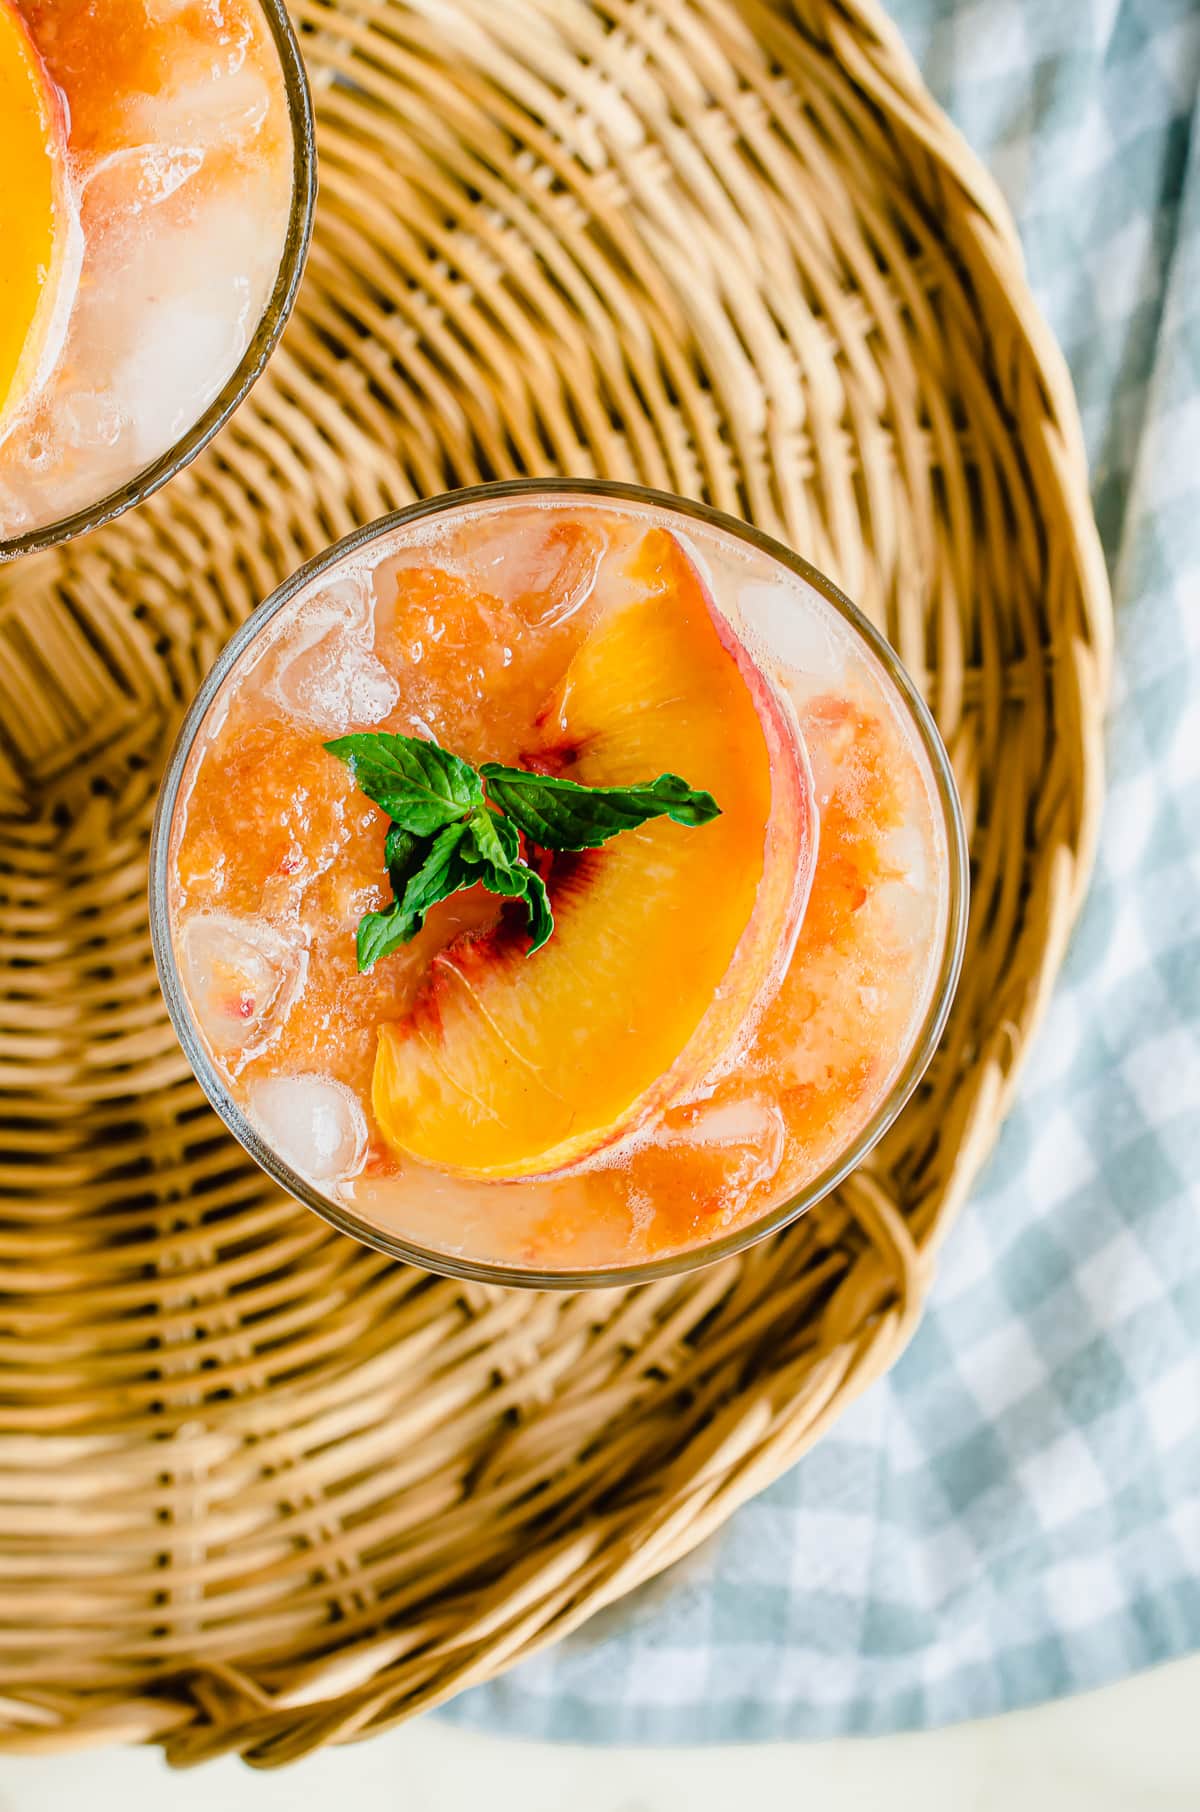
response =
{"points": [[325, 670]]}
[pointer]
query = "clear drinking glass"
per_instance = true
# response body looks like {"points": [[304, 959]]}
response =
{"points": [[762, 555], [278, 306]]}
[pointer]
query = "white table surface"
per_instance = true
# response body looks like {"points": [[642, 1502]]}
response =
{"points": [[1132, 1748]]}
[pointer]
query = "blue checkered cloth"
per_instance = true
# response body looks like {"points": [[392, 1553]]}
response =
{"points": [[1014, 1512]]}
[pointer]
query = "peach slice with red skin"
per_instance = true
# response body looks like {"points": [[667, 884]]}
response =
{"points": [[665, 938], [35, 212]]}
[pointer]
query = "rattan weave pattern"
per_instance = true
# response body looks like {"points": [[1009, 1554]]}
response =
{"points": [[262, 1489]]}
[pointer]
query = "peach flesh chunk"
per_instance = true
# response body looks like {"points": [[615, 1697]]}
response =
{"points": [[515, 1066], [34, 211]]}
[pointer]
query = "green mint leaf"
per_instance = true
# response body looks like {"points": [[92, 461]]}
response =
{"points": [[419, 785], [379, 933], [537, 905], [559, 814], [521, 883], [439, 871], [492, 847], [442, 873], [403, 854], [491, 839]]}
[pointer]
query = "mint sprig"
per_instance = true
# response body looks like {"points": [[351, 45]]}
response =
{"points": [[561, 814], [446, 836]]}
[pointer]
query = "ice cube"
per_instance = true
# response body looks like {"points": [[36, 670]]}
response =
{"points": [[903, 850], [542, 561], [325, 670], [738, 1138], [89, 419], [783, 622], [241, 978], [203, 105], [745, 1120], [314, 1124], [139, 177], [182, 356], [204, 267], [15, 513], [902, 912]]}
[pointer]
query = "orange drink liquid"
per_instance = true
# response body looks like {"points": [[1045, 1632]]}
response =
{"points": [[724, 1016], [148, 180]]}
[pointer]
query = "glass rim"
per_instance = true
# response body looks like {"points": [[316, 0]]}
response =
{"points": [[270, 325], [924, 1042]]}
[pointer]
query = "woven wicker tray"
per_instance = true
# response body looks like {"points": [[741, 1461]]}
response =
{"points": [[262, 1489]]}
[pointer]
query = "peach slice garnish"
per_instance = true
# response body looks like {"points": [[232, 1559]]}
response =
{"points": [[665, 938], [35, 214]]}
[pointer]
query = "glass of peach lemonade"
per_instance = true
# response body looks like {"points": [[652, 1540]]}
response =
{"points": [[558, 883], [156, 194]]}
